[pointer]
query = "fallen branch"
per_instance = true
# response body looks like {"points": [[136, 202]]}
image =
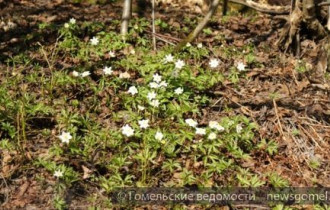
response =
{"points": [[264, 8]]}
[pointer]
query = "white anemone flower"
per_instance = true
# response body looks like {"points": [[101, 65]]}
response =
{"points": [[179, 64], [239, 128], [157, 78], [58, 173], [200, 131], [214, 63], [65, 137], [124, 75], [141, 108], [151, 95], [216, 125], [163, 84], [107, 70], [159, 136], [85, 74], [154, 85], [127, 130], [212, 136], [191, 122], [178, 91], [94, 41], [143, 124], [241, 66], [112, 54], [75, 74], [154, 103], [72, 21], [132, 90], [169, 58]]}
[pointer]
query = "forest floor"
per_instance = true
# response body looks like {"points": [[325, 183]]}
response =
{"points": [[277, 109]]}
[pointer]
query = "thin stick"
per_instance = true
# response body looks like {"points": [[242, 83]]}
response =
{"points": [[153, 26]]}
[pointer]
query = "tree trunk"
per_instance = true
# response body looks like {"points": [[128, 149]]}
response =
{"points": [[127, 12]]}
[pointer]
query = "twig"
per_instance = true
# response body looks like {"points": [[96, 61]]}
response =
{"points": [[165, 36], [324, 4], [278, 119]]}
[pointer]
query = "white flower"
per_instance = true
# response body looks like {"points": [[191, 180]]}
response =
{"points": [[241, 66], [143, 124], [153, 85], [94, 41], [200, 45], [191, 122], [239, 128], [75, 74], [212, 136], [169, 58], [127, 130], [179, 64], [157, 78], [154, 103], [214, 63], [200, 131], [188, 44], [141, 108], [85, 74], [112, 54], [163, 84], [159, 136], [178, 91], [124, 75], [216, 125], [72, 21], [151, 95], [132, 51], [58, 173], [107, 70], [66, 25], [132, 90], [65, 137]]}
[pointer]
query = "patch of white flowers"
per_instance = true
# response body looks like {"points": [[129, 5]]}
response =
{"points": [[77, 74], [215, 125]]}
